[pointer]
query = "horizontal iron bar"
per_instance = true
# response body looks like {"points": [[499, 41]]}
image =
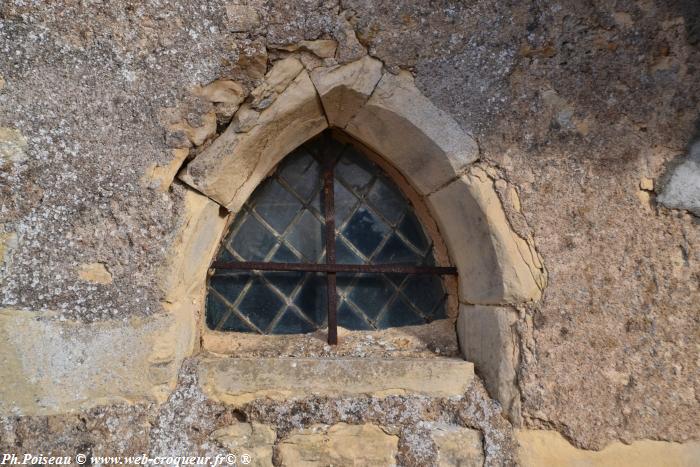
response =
{"points": [[357, 268]]}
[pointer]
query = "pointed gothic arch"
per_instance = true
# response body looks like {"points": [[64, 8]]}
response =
{"points": [[390, 116]]}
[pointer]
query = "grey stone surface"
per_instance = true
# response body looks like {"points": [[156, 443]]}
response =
{"points": [[682, 189]]}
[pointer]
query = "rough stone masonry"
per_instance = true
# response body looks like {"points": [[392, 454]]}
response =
{"points": [[586, 112]]}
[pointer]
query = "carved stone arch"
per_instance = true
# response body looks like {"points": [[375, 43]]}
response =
{"points": [[388, 114]]}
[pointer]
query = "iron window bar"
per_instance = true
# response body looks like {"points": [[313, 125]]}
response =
{"points": [[331, 268]]}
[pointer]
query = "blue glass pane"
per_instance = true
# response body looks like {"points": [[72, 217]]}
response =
{"points": [[311, 299], [306, 236], [285, 255], [345, 203], [260, 304], [365, 231], [253, 241], [440, 312], [396, 251], [315, 204], [396, 278], [398, 314], [349, 319], [412, 231], [285, 281], [292, 323], [387, 200], [216, 310], [370, 293], [344, 253], [235, 323], [276, 205], [225, 256], [357, 176], [301, 171], [424, 291], [229, 284]]}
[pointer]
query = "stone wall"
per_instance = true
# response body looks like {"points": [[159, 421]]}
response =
{"points": [[582, 115]]}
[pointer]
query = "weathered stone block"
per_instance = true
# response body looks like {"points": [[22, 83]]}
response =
{"points": [[422, 141], [13, 146], [340, 444], [682, 189], [495, 265], [488, 339], [458, 446], [539, 448], [237, 381], [345, 89], [222, 90], [160, 177], [96, 273], [235, 163], [255, 439], [194, 246], [49, 366]]}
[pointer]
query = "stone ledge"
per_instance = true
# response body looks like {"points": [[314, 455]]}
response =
{"points": [[237, 381]]}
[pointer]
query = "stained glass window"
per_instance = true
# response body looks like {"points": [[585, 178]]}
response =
{"points": [[284, 223]]}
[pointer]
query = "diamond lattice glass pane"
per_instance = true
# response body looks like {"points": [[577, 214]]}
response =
{"points": [[345, 254], [345, 203], [395, 250], [412, 231], [425, 292], [365, 231], [217, 310], [306, 236], [229, 284], [260, 304], [387, 200], [235, 323], [276, 205], [351, 319], [398, 314], [282, 223], [301, 171], [292, 323], [253, 240], [311, 299], [370, 293], [353, 173]]}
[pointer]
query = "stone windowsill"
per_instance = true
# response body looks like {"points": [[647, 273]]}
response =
{"points": [[237, 381]]}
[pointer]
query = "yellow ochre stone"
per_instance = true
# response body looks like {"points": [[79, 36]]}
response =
{"points": [[237, 381], [339, 445], [539, 448], [96, 273]]}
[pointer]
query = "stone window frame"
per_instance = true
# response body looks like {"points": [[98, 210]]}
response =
{"points": [[389, 116]]}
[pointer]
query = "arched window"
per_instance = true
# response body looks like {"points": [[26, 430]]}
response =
{"points": [[326, 219]]}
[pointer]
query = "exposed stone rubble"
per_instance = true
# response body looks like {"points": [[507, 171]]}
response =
{"points": [[682, 188], [313, 430]]}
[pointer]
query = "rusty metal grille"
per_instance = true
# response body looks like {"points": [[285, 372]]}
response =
{"points": [[328, 225]]}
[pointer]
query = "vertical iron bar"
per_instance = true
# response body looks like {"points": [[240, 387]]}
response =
{"points": [[329, 212]]}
